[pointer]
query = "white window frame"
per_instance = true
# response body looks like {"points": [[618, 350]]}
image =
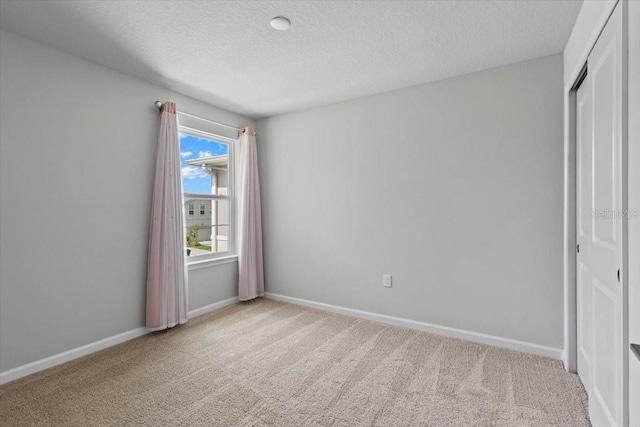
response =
{"points": [[215, 258]]}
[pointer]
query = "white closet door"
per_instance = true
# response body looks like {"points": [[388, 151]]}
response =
{"points": [[584, 289], [600, 229]]}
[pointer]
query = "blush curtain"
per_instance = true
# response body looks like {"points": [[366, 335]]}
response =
{"points": [[167, 274], [250, 269]]}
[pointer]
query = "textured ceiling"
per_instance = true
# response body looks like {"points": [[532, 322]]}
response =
{"points": [[225, 53]]}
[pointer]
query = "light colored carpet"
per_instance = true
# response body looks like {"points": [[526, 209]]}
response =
{"points": [[266, 363]]}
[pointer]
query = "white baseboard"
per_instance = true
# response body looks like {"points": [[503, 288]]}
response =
{"points": [[540, 350], [49, 362], [57, 359], [212, 307]]}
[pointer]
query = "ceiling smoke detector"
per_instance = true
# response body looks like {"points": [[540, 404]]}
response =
{"points": [[280, 23]]}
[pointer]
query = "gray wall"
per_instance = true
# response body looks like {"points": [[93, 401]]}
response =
{"points": [[77, 158], [454, 187]]}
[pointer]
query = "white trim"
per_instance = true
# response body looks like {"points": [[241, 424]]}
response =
{"points": [[231, 191], [606, 12], [57, 359], [211, 262], [203, 133], [212, 307], [624, 169], [570, 354], [540, 350]]}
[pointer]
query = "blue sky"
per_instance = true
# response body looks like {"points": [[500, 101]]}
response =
{"points": [[194, 179]]}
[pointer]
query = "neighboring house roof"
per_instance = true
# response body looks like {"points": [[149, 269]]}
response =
{"points": [[213, 161]]}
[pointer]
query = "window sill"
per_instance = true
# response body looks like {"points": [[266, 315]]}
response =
{"points": [[211, 262]]}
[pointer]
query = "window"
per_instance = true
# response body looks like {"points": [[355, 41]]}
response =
{"points": [[206, 181]]}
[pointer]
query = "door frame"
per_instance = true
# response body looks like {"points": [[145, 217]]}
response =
{"points": [[572, 81]]}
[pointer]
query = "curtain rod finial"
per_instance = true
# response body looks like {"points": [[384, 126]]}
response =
{"points": [[158, 104]]}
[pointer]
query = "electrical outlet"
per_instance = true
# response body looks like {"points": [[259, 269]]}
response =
{"points": [[386, 280]]}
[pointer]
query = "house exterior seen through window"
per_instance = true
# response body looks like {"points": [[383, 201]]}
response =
{"points": [[205, 169]]}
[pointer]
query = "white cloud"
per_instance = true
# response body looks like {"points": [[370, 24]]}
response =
{"points": [[205, 153], [185, 153], [193, 172]]}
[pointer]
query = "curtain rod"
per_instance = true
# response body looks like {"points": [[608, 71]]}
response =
{"points": [[158, 104]]}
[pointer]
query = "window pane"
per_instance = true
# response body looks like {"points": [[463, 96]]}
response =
{"points": [[205, 171], [222, 238], [209, 232], [221, 208], [205, 165]]}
